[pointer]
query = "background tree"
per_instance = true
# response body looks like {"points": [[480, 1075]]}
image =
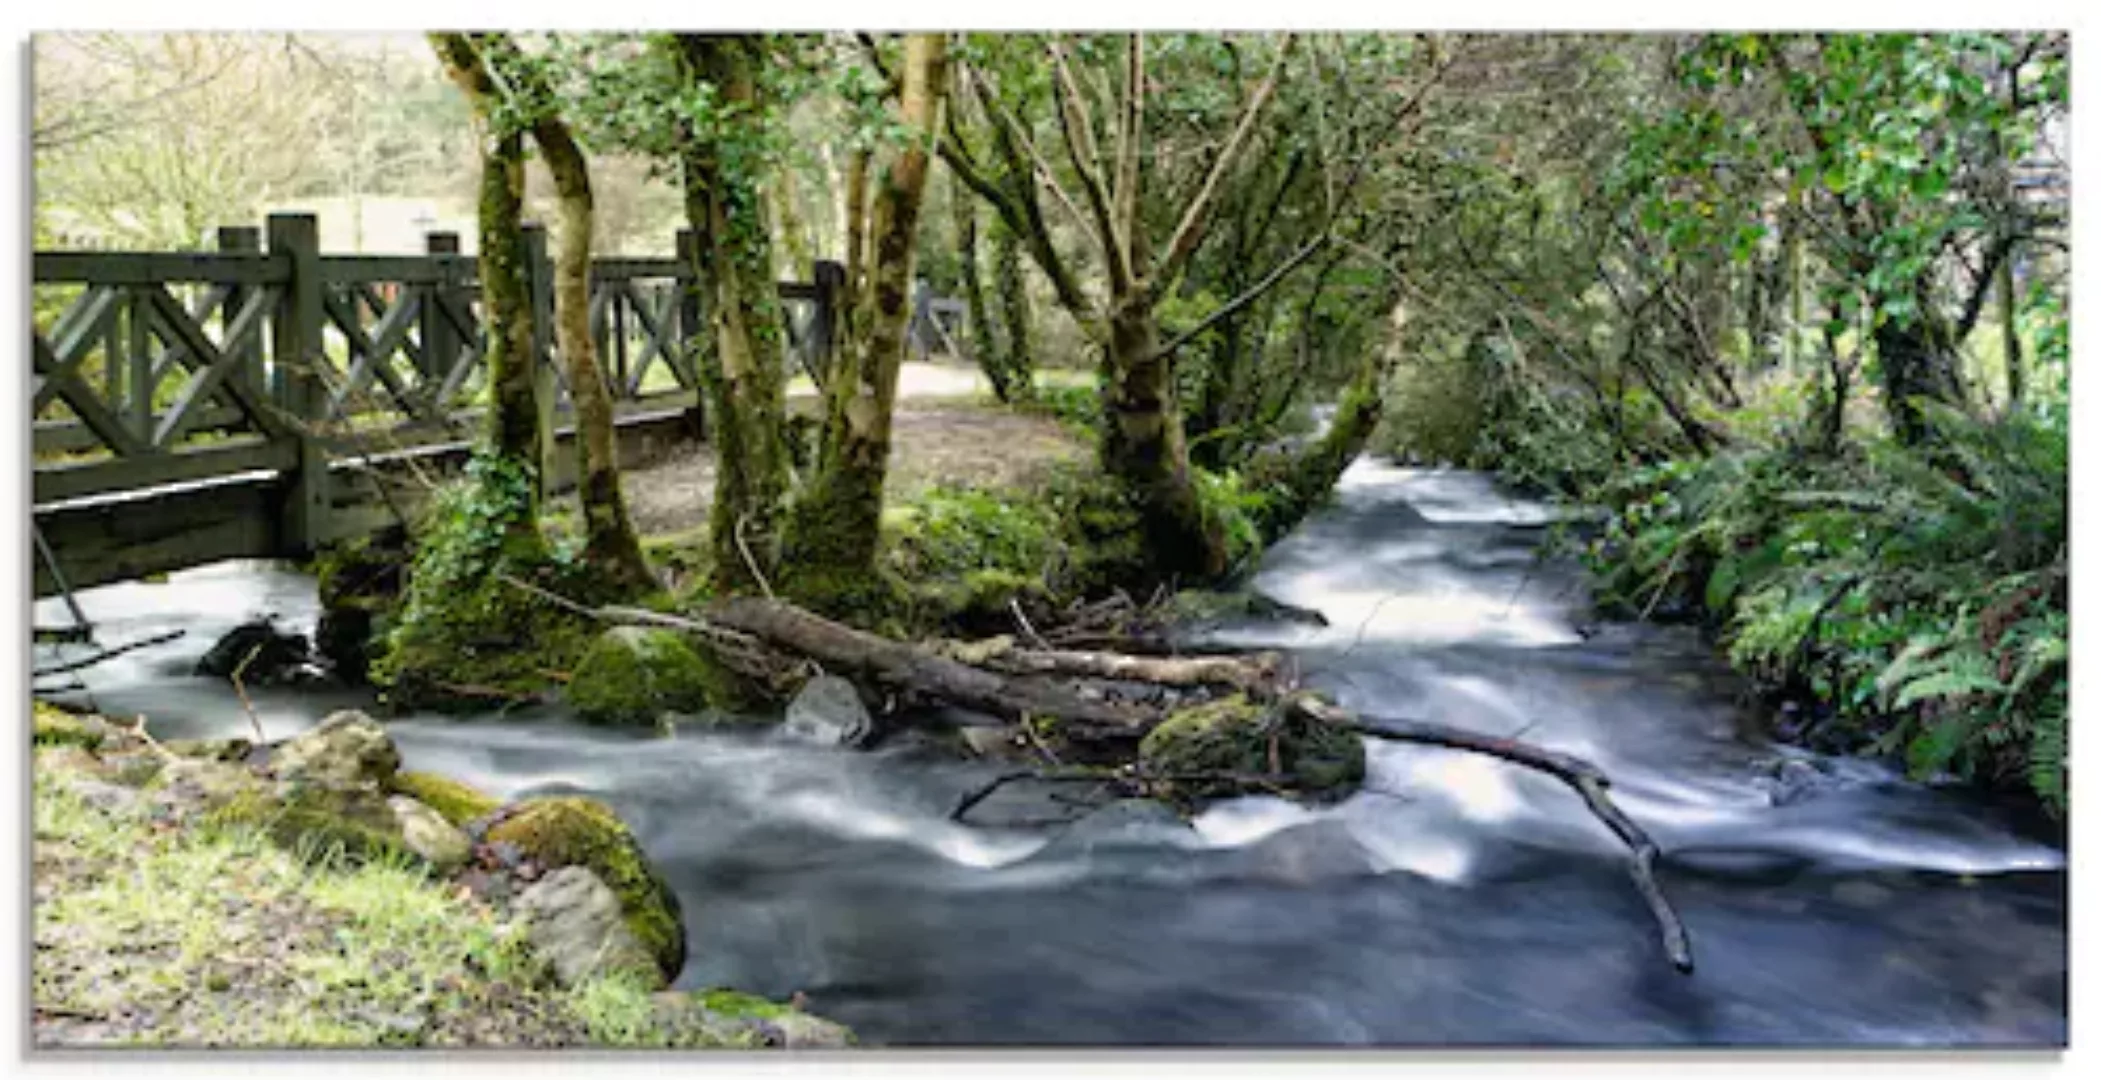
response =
{"points": [[832, 538]]}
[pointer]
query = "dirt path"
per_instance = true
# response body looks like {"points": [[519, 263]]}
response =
{"points": [[937, 441]]}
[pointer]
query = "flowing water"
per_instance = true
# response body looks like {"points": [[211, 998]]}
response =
{"points": [[1456, 900]]}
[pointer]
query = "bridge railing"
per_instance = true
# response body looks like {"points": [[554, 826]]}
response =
{"points": [[154, 368]]}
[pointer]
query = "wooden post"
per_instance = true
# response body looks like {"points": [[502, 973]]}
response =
{"points": [[825, 340], [242, 239], [295, 350], [686, 318], [539, 282], [441, 342]]}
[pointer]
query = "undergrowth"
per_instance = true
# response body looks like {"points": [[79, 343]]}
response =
{"points": [[1917, 597]]}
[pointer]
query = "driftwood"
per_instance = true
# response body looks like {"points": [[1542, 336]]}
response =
{"points": [[1023, 685]]}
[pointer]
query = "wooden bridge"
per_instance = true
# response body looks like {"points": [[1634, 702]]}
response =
{"points": [[265, 399]]}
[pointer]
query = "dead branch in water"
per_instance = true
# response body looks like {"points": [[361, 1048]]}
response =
{"points": [[1020, 685], [106, 654], [1587, 780]]}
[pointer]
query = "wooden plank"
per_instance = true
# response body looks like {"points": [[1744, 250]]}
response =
{"points": [[630, 269], [59, 483], [213, 376], [120, 540], [369, 356], [398, 269], [156, 267], [81, 398], [72, 436]]}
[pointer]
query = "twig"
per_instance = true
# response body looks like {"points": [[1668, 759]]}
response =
{"points": [[138, 727], [238, 688], [751, 564], [1014, 605], [1664, 584], [106, 654]]}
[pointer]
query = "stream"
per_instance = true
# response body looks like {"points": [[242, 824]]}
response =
{"points": [[1455, 900]]}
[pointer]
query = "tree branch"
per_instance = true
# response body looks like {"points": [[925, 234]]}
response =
{"points": [[1078, 127], [1197, 215]]}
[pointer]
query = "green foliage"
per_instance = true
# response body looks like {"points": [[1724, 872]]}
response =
{"points": [[1921, 598], [466, 636], [1228, 500]]}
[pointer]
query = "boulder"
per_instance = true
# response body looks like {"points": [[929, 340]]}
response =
{"points": [[571, 830], [263, 654], [1235, 735], [575, 922], [426, 832], [828, 711], [348, 749], [635, 675], [458, 803], [186, 786], [726, 1019]]}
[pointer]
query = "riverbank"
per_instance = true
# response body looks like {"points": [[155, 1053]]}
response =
{"points": [[186, 896]]}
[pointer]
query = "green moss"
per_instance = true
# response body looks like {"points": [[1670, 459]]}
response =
{"points": [[467, 636], [576, 831], [739, 1003], [318, 822], [632, 675], [454, 801], [1233, 734]]}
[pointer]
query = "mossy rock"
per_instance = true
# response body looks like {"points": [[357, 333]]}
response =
{"points": [[635, 675], [319, 822], [53, 726], [731, 1018], [1233, 734], [454, 801], [571, 830]]}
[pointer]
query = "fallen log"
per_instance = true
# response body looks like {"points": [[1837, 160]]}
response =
{"points": [[896, 667], [1586, 778], [1255, 673], [887, 666]]}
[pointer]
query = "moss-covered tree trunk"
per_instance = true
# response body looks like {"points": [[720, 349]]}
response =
{"points": [[1017, 318], [746, 386], [831, 545], [1916, 366], [1296, 484], [1143, 445], [610, 543], [511, 430], [984, 337]]}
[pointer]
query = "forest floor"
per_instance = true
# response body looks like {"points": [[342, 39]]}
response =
{"points": [[947, 430]]}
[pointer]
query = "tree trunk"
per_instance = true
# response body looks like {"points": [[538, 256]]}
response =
{"points": [[726, 209], [610, 543], [2010, 331], [511, 431], [832, 537], [1298, 484], [1143, 446], [983, 338], [1915, 368], [1017, 318]]}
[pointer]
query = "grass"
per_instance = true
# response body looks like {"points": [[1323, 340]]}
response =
{"points": [[201, 934]]}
